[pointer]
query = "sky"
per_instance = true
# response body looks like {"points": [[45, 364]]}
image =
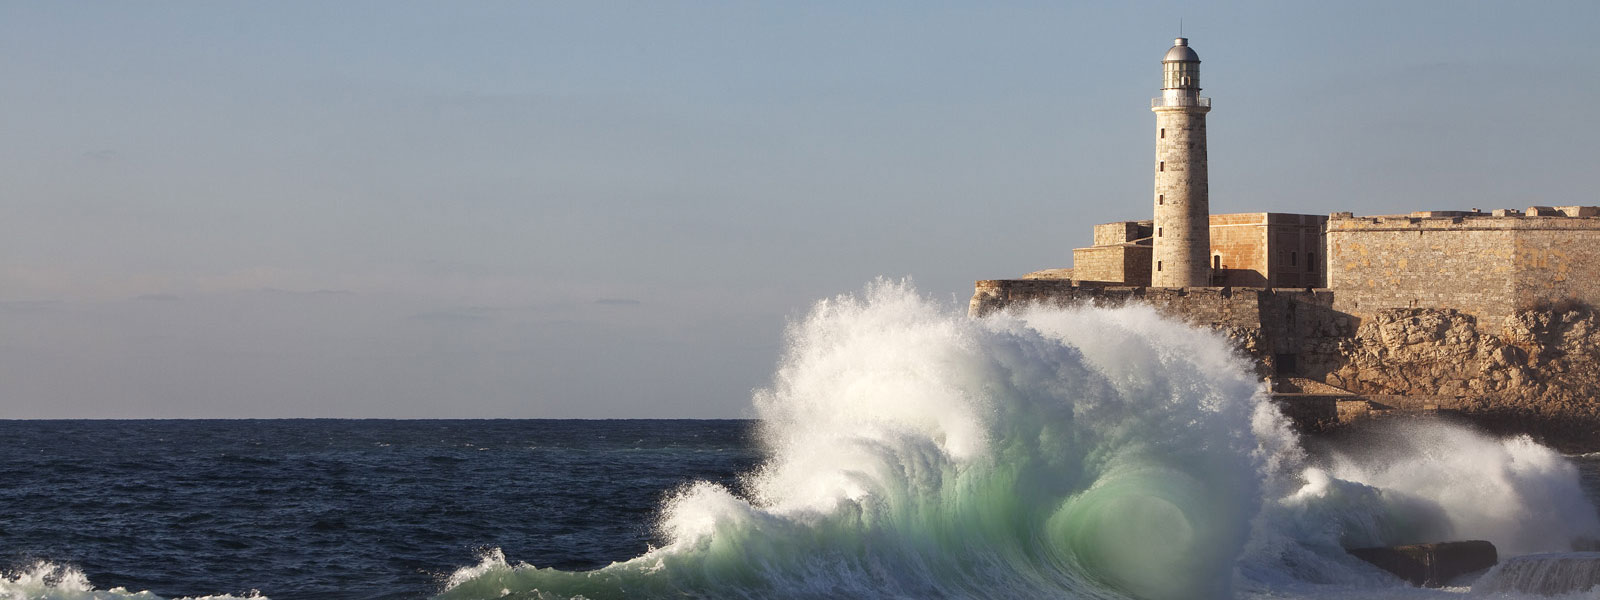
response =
{"points": [[598, 209]]}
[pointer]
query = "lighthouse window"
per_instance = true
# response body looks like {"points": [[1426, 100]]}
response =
{"points": [[1158, 265], [1158, 232], [1161, 198], [1161, 166], [1163, 133]]}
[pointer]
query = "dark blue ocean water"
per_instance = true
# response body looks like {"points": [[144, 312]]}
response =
{"points": [[335, 509], [341, 508]]}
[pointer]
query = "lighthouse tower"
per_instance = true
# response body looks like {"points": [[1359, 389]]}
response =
{"points": [[1182, 242]]}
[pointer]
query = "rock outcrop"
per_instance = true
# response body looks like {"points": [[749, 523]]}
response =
{"points": [[1541, 374], [1431, 565]]}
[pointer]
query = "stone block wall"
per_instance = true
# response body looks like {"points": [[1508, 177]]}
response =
{"points": [[1126, 264], [1121, 232], [1239, 247], [1202, 306], [1556, 264], [1480, 265], [1295, 250], [1182, 202]]}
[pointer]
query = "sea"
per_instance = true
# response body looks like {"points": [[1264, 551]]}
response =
{"points": [[901, 450]]}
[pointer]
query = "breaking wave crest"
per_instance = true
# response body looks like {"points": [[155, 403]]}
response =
{"points": [[51, 581], [914, 452]]}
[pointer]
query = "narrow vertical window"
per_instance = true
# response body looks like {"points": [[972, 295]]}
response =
{"points": [[1161, 166], [1158, 232], [1216, 262], [1163, 133], [1158, 265], [1161, 199]]}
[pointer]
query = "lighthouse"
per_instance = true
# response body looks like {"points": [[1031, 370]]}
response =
{"points": [[1182, 237]]}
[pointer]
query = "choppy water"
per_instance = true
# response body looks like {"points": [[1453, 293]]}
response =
{"points": [[336, 508], [903, 451]]}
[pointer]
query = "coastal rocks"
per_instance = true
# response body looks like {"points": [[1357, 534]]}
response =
{"points": [[1412, 352], [1431, 565], [1540, 374]]}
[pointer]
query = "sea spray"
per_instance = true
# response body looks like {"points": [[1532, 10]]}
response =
{"points": [[1513, 492], [1569, 574], [913, 452], [1410, 481], [917, 453]]}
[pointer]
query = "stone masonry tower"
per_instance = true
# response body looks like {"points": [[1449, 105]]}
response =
{"points": [[1182, 242]]}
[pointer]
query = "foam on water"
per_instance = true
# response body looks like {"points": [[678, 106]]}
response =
{"points": [[51, 581], [1568, 574]]}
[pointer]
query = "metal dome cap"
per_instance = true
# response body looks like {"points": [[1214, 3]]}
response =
{"points": [[1181, 52]]}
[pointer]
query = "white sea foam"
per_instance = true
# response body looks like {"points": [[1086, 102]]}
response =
{"points": [[53, 581], [914, 452]]}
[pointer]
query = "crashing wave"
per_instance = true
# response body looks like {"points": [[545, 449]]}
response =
{"points": [[913, 452]]}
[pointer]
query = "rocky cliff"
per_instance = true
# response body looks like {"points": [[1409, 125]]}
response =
{"points": [[1540, 374]]}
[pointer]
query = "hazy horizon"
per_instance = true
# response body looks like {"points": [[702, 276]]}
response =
{"points": [[596, 210]]}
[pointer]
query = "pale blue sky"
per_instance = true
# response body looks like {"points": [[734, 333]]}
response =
{"points": [[605, 209]]}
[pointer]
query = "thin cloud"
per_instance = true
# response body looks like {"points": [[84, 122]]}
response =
{"points": [[443, 316]]}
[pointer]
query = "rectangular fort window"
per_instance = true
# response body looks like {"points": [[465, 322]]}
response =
{"points": [[1158, 232], [1158, 265], [1216, 262], [1163, 133], [1161, 166], [1161, 199]]}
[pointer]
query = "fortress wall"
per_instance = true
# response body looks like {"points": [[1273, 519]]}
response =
{"points": [[1301, 321], [1382, 263], [1125, 264], [1557, 264], [1121, 232], [1241, 240], [1201, 306], [1297, 258], [1486, 267]]}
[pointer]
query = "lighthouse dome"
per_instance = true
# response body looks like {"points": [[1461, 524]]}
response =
{"points": [[1181, 52]]}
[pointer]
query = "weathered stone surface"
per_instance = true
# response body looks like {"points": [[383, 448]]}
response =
{"points": [[1268, 250], [1120, 264], [1182, 241], [1050, 274], [1478, 264], [1540, 375], [1431, 565]]}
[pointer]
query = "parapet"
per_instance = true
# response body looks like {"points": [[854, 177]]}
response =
{"points": [[1205, 305], [1534, 218]]}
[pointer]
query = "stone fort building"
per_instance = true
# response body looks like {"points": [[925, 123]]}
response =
{"points": [[1483, 312]]}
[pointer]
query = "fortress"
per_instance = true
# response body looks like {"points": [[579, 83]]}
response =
{"points": [[1486, 314]]}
